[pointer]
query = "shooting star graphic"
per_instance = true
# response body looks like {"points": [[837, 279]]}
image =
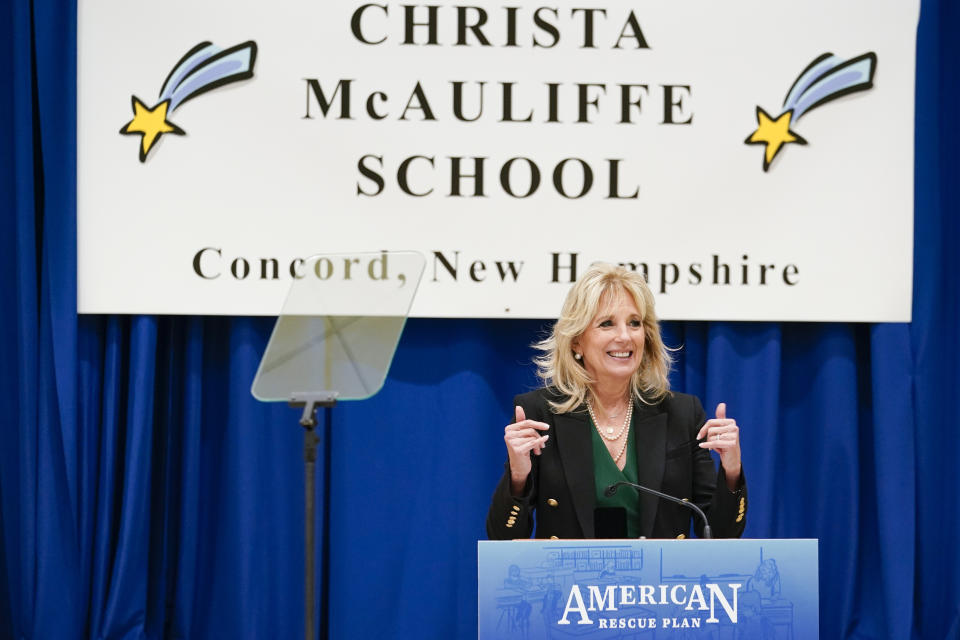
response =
{"points": [[204, 68], [827, 78]]}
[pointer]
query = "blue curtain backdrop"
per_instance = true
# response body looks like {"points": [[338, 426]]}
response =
{"points": [[145, 494]]}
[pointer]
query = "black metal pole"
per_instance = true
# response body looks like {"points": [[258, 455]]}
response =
{"points": [[310, 440], [325, 527], [310, 402]]}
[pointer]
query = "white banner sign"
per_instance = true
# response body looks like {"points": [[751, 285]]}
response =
{"points": [[753, 158]]}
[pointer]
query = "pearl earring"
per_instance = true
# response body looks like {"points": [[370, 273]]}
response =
{"points": [[577, 356]]}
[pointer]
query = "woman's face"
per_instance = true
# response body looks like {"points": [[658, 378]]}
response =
{"points": [[612, 345]]}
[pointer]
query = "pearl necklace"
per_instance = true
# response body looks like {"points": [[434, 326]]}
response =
{"points": [[609, 430], [623, 447]]}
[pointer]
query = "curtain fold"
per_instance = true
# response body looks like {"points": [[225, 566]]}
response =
{"points": [[145, 494], [935, 330], [890, 430]]}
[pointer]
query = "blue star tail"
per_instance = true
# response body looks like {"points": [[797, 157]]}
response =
{"points": [[206, 67], [827, 78]]}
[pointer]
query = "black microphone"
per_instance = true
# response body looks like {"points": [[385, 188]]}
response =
{"points": [[612, 489]]}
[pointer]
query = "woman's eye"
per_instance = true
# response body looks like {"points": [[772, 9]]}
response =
{"points": [[606, 323], [635, 323]]}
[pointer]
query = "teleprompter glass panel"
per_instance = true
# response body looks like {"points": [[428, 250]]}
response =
{"points": [[339, 326]]}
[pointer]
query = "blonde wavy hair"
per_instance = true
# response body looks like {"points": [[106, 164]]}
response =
{"points": [[601, 285]]}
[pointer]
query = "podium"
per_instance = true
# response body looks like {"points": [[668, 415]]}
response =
{"points": [[658, 589]]}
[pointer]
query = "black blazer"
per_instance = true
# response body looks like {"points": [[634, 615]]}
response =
{"points": [[561, 489]]}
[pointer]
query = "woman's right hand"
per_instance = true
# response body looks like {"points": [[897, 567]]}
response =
{"points": [[522, 437]]}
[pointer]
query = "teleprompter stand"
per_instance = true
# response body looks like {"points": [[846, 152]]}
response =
{"points": [[311, 403], [334, 341]]}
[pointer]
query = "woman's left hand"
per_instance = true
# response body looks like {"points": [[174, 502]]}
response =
{"points": [[722, 435]]}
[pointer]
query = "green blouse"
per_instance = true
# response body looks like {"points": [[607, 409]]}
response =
{"points": [[605, 473]]}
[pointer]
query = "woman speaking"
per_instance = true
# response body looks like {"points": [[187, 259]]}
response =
{"points": [[606, 415]]}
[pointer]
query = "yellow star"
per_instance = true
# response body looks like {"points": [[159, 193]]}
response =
{"points": [[774, 134], [150, 124]]}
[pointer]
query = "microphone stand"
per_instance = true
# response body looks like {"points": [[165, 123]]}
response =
{"points": [[612, 489]]}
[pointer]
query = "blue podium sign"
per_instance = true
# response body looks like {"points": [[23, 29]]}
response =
{"points": [[559, 589]]}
